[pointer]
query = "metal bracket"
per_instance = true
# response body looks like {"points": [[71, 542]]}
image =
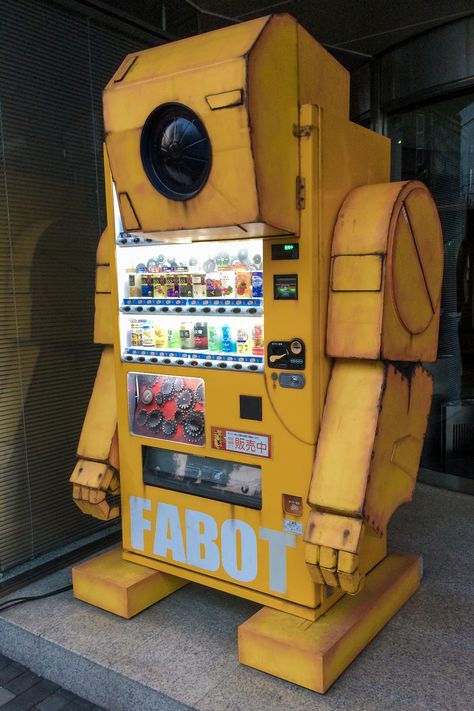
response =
{"points": [[300, 192], [301, 131]]}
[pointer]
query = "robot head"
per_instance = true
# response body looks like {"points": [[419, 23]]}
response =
{"points": [[200, 133]]}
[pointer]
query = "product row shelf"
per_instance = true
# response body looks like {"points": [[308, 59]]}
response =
{"points": [[228, 307], [221, 361]]}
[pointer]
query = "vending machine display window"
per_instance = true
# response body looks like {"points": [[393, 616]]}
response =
{"points": [[218, 479], [198, 304], [167, 407]]}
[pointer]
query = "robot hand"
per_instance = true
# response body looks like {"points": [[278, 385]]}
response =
{"points": [[92, 482], [333, 544], [337, 568]]}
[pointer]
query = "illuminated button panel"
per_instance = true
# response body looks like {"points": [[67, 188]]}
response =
{"points": [[286, 355]]}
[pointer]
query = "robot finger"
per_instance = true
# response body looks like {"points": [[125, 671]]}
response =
{"points": [[312, 553]]}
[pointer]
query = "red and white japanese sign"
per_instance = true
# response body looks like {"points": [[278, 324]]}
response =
{"points": [[258, 445]]}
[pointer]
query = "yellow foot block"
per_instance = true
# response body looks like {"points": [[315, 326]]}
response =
{"points": [[314, 654], [119, 586]]}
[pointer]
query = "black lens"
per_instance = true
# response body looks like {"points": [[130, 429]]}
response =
{"points": [[176, 151]]}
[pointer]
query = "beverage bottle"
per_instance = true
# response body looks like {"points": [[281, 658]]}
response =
{"points": [[161, 336], [200, 336], [228, 340], [186, 335], [244, 341], [257, 337], [173, 338], [214, 339]]}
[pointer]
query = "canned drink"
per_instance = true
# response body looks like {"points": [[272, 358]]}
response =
{"points": [[243, 286], [159, 287], [200, 336], [185, 285], [134, 285], [228, 284], [199, 286], [213, 284], [186, 335], [172, 286], [257, 285], [147, 285]]}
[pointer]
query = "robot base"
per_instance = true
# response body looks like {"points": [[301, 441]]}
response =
{"points": [[314, 654], [121, 587]]}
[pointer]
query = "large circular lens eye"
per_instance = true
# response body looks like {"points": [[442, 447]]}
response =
{"points": [[175, 151]]}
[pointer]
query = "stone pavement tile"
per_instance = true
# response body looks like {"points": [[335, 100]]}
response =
{"points": [[74, 671], [4, 661], [20, 644], [31, 696], [10, 671], [5, 696], [78, 705], [55, 702], [22, 682], [189, 645]]}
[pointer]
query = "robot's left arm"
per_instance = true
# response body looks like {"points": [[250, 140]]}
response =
{"points": [[383, 319]]}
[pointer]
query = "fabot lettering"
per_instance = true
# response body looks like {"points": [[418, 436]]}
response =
{"points": [[203, 545]]}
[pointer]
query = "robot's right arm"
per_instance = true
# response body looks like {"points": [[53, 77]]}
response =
{"points": [[95, 478]]}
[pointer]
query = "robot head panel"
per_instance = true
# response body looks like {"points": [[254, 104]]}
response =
{"points": [[200, 132]]}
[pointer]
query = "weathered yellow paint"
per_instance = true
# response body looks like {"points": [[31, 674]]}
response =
{"points": [[314, 655], [401, 321], [121, 587], [260, 60], [101, 417], [398, 444], [347, 436], [332, 530], [322, 80], [357, 272], [381, 415], [104, 319], [103, 283]]}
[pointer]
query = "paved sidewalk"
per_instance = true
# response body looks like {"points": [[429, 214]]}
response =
{"points": [[20, 690]]}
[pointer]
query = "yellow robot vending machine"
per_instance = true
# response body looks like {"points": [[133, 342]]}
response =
{"points": [[265, 297]]}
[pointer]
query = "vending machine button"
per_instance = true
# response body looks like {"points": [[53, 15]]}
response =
{"points": [[152, 308], [126, 308], [237, 366], [252, 310], [148, 239], [192, 309], [123, 240], [141, 359], [221, 310], [206, 310], [136, 240], [193, 362], [180, 362], [165, 309], [178, 309], [222, 365], [167, 361], [129, 358], [208, 364], [236, 310], [139, 308], [154, 360], [253, 367]]}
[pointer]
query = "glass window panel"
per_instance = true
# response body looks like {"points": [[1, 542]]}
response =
{"points": [[435, 144]]}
